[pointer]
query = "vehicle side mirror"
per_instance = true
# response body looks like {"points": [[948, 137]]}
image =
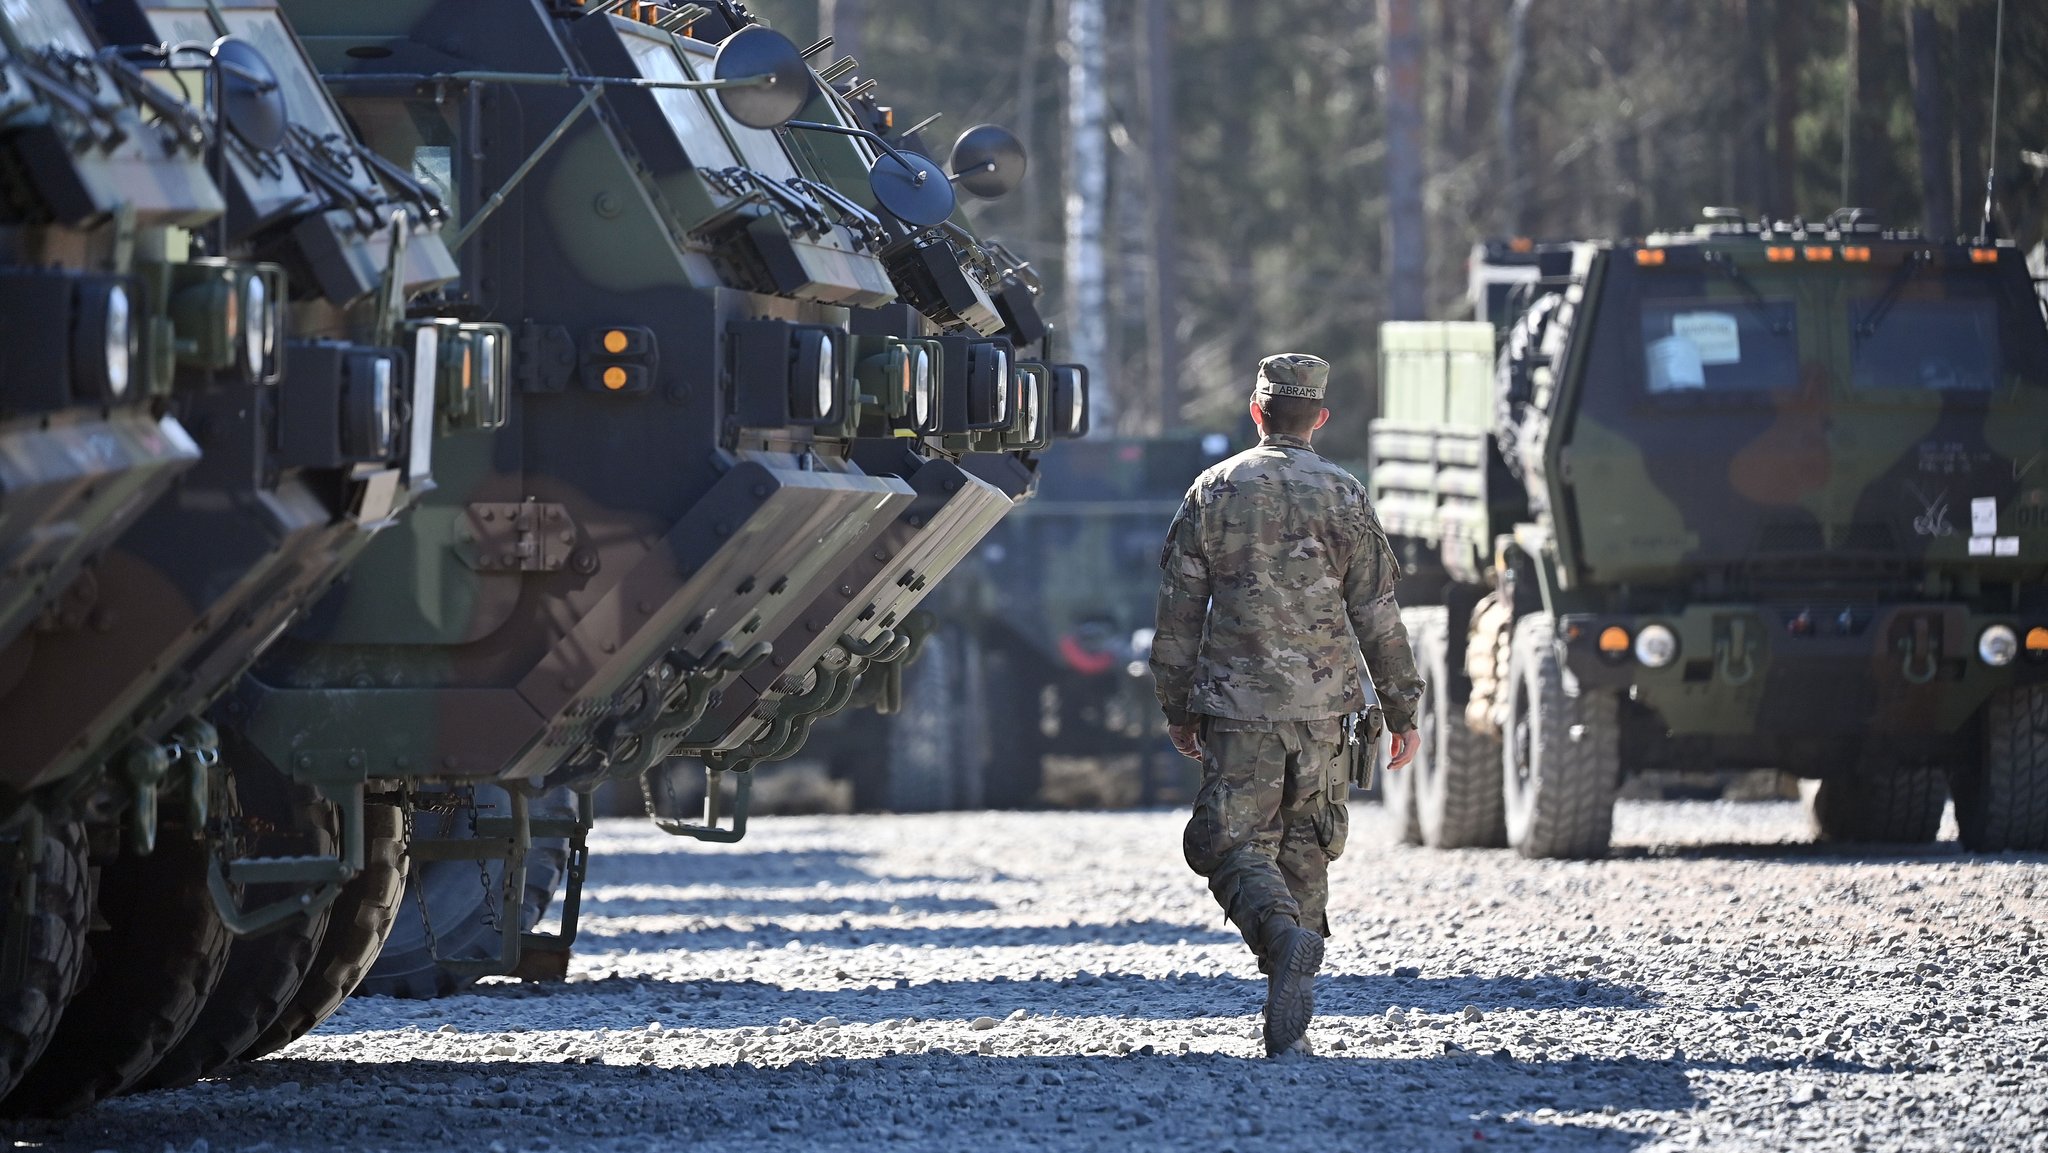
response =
{"points": [[770, 83], [988, 161]]}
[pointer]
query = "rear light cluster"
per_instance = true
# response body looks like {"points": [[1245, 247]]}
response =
{"points": [[2000, 645], [1654, 646]]}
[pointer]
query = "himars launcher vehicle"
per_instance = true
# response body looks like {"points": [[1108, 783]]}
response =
{"points": [[1752, 495], [420, 414]]}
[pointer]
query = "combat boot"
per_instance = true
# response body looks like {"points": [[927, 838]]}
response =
{"points": [[1293, 956]]}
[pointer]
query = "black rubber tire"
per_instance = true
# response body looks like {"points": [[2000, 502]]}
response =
{"points": [[2002, 801], [149, 972], [263, 972], [455, 900], [1882, 803], [54, 953], [1561, 761], [924, 742], [361, 918], [1456, 774]]}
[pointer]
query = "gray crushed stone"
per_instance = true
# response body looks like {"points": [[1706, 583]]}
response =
{"points": [[1054, 980]]}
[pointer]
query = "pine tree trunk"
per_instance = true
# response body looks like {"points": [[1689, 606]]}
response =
{"points": [[1407, 259], [1788, 60], [843, 21], [1512, 179], [1930, 119], [1087, 201], [1161, 148]]}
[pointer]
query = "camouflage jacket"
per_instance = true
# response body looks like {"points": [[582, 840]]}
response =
{"points": [[1276, 575]]}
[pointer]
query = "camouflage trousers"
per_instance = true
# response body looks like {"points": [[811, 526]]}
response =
{"points": [[1269, 819]]}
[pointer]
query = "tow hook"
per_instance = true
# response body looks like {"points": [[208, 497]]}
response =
{"points": [[1919, 665]]}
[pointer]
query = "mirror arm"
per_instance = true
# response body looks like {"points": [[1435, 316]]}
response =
{"points": [[871, 137], [544, 79]]}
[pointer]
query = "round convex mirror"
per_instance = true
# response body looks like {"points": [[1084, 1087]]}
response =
{"points": [[911, 188], [251, 99], [989, 161], [781, 80]]}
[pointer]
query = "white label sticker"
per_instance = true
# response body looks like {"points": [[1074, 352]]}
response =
{"points": [[1980, 546], [1715, 334], [1984, 515], [2007, 546], [1675, 364]]}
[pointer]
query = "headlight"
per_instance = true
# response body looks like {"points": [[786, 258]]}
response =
{"points": [[1002, 413], [1656, 646], [827, 379], [259, 332], [1027, 394], [813, 376], [119, 335], [921, 387], [1998, 645], [368, 405]]}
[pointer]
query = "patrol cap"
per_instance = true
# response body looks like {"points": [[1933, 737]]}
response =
{"points": [[1293, 374]]}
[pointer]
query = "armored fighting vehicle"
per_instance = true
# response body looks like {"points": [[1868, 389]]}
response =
{"points": [[1749, 495], [638, 419]]}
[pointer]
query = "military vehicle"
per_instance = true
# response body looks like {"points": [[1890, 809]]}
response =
{"points": [[640, 421], [1042, 651], [1753, 494]]}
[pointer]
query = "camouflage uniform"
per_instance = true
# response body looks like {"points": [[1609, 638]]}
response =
{"points": [[1275, 576]]}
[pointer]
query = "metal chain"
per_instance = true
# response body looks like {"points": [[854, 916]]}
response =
{"points": [[419, 888], [483, 873]]}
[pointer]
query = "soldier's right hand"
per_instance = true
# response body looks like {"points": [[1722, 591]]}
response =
{"points": [[1187, 738], [1403, 750]]}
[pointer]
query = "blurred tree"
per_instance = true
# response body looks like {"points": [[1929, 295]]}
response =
{"points": [[1560, 119]]}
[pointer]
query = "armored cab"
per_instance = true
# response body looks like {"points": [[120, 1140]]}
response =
{"points": [[96, 183], [275, 336], [1753, 495]]}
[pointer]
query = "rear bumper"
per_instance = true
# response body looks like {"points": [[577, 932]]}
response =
{"points": [[1802, 669]]}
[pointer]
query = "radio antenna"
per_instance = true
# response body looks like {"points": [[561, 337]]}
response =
{"points": [[1991, 161]]}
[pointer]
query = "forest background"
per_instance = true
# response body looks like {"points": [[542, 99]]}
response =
{"points": [[1214, 180]]}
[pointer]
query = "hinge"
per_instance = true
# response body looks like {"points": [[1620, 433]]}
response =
{"points": [[527, 536]]}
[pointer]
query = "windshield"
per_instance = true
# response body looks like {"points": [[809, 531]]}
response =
{"points": [[688, 115], [1719, 345], [1949, 345], [759, 148]]}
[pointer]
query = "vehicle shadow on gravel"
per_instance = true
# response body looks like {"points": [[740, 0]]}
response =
{"points": [[628, 1003], [765, 869], [1212, 1101], [1817, 853], [597, 934], [824, 904]]}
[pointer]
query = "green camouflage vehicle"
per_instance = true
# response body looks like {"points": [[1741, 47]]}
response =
{"points": [[641, 421], [1750, 495]]}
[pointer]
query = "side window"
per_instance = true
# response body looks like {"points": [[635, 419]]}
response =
{"points": [[1719, 345]]}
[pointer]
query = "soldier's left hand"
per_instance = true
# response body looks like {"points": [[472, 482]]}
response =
{"points": [[1187, 739], [1403, 751]]}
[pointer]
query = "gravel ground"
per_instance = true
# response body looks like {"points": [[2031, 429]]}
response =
{"points": [[965, 981]]}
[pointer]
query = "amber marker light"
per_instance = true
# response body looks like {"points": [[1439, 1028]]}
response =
{"points": [[1614, 639], [1819, 252], [1856, 253], [1983, 256], [2037, 640], [1521, 244], [614, 377], [1650, 256], [615, 341], [1779, 253]]}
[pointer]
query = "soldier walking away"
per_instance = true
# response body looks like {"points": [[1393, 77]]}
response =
{"points": [[1276, 575]]}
